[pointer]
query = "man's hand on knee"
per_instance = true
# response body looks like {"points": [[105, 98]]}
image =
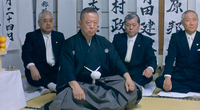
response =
{"points": [[78, 92], [130, 86], [34, 73], [167, 85]]}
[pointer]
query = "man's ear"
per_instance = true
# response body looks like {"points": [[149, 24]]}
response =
{"points": [[182, 22], [38, 22], [79, 22], [139, 27]]}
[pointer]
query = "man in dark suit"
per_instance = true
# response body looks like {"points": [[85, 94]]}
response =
{"points": [[184, 50], [136, 51], [40, 53]]}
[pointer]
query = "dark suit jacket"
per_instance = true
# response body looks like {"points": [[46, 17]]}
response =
{"points": [[142, 54], [34, 51], [187, 62]]}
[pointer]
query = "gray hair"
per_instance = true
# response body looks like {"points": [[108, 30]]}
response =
{"points": [[43, 12], [131, 16], [183, 15], [87, 10]]}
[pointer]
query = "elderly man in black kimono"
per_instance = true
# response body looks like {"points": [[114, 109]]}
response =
{"points": [[87, 78]]}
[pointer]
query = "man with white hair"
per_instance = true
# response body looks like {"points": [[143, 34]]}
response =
{"points": [[184, 50]]}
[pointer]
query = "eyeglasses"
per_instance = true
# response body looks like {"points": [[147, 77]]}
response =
{"points": [[47, 20]]}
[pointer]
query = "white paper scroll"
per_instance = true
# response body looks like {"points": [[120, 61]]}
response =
{"points": [[43, 5], [172, 21], [148, 12], [10, 26], [117, 13]]}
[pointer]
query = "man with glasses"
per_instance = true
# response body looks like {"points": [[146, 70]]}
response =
{"points": [[40, 54], [136, 51]]}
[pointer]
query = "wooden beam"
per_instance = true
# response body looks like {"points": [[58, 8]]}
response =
{"points": [[161, 26]]}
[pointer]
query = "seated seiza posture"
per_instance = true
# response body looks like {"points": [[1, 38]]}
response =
{"points": [[136, 51], [40, 54], [184, 50], [87, 79]]}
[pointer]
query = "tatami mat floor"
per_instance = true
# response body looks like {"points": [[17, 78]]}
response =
{"points": [[39, 101], [147, 103]]}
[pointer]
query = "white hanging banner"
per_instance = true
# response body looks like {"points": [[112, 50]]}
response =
{"points": [[172, 24], [117, 13], [43, 5], [1, 18], [25, 18], [148, 12], [97, 5], [10, 24], [67, 22], [198, 12]]}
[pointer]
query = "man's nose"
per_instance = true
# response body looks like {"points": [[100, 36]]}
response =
{"points": [[92, 25], [131, 26]]}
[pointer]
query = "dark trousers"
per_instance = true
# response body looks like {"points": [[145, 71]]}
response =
{"points": [[46, 78], [183, 86], [141, 80]]}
